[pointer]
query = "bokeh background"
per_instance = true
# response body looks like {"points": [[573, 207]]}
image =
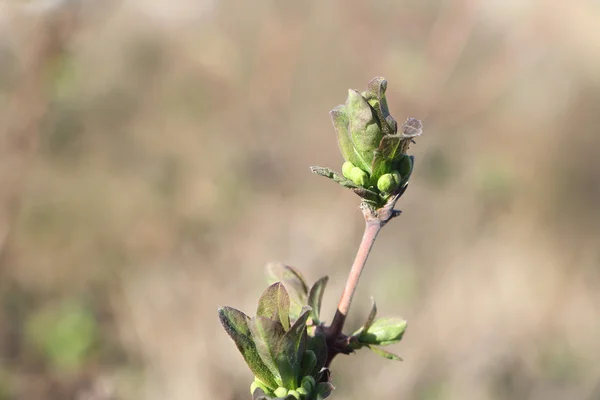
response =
{"points": [[154, 157]]}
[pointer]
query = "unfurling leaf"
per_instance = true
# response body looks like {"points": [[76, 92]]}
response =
{"points": [[275, 304], [236, 323], [382, 332]]}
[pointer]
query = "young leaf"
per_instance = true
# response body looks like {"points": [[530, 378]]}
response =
{"points": [[383, 331], [236, 323], [291, 349], [384, 354], [275, 304], [318, 345], [315, 297], [267, 334]]}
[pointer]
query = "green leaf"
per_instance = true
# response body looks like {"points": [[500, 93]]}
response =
{"points": [[362, 192], [385, 354], [318, 345], [384, 156], [267, 335], [236, 324], [363, 129], [339, 117], [291, 349], [315, 297], [383, 331], [323, 390], [329, 173], [275, 304], [309, 363]]}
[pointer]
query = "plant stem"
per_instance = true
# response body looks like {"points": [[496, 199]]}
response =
{"points": [[372, 228], [375, 219]]}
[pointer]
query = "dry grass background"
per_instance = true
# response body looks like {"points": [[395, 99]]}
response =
{"points": [[154, 157]]}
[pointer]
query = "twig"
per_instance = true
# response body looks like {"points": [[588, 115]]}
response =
{"points": [[375, 219]]}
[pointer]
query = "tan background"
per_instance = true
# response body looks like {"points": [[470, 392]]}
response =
{"points": [[154, 157]]}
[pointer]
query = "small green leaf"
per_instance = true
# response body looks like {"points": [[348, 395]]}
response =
{"points": [[383, 331], [291, 349], [339, 117], [315, 298], [384, 354], [318, 345], [236, 324], [267, 334], [309, 363], [275, 304], [362, 192], [323, 390]]}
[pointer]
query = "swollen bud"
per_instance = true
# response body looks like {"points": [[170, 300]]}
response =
{"points": [[387, 183], [405, 166], [303, 392], [281, 392], [346, 169], [359, 176]]}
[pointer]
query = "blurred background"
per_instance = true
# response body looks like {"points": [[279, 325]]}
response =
{"points": [[154, 157]]}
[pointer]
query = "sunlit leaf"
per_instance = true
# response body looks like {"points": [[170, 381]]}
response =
{"points": [[275, 304], [236, 325]]}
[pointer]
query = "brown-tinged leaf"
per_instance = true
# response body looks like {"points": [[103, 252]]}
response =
{"points": [[236, 325]]}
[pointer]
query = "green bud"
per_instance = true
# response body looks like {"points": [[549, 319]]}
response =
{"points": [[383, 331], [258, 384], [294, 393], [346, 169], [389, 182], [281, 392], [359, 176], [405, 166], [303, 392], [309, 362], [309, 383]]}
